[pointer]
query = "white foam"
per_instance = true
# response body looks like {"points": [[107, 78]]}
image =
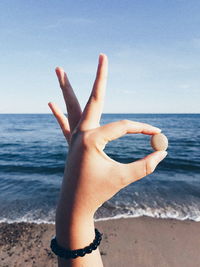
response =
{"points": [[177, 212], [20, 220], [144, 214], [167, 213]]}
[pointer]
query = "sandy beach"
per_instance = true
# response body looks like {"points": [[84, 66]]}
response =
{"points": [[130, 242]]}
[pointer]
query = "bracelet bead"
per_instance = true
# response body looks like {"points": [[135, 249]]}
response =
{"points": [[67, 254]]}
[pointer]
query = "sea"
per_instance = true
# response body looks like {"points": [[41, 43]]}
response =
{"points": [[33, 153]]}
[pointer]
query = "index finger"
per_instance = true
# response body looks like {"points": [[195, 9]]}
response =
{"points": [[114, 130]]}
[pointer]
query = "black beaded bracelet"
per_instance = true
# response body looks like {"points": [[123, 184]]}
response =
{"points": [[72, 254]]}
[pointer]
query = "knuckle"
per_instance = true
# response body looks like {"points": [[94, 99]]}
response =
{"points": [[95, 98], [122, 181], [149, 168], [122, 174], [87, 139], [124, 125], [125, 121]]}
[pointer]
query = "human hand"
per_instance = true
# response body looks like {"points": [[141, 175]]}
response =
{"points": [[91, 176]]}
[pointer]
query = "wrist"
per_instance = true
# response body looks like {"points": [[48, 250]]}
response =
{"points": [[74, 229]]}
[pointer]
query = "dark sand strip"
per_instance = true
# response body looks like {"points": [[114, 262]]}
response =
{"points": [[135, 242]]}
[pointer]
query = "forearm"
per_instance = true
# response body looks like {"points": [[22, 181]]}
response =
{"points": [[89, 260], [75, 230]]}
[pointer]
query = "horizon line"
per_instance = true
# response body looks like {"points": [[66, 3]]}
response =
{"points": [[107, 113]]}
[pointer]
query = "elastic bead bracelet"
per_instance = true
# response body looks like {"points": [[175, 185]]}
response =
{"points": [[72, 254]]}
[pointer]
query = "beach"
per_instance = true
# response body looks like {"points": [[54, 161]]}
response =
{"points": [[140, 242], [165, 230]]}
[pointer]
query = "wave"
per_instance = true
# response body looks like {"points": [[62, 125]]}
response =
{"points": [[169, 213], [32, 164], [168, 165], [23, 169]]}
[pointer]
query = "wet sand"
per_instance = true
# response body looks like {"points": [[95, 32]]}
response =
{"points": [[134, 242]]}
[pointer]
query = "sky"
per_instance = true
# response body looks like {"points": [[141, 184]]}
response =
{"points": [[153, 49]]}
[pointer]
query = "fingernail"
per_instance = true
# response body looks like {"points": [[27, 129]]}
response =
{"points": [[157, 129], [100, 56], [162, 154], [56, 69]]}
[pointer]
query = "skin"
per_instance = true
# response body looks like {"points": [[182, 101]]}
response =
{"points": [[91, 177]]}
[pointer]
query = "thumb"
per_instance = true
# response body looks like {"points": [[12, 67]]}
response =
{"points": [[141, 168]]}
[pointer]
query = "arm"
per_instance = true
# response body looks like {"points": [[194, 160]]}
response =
{"points": [[90, 176]]}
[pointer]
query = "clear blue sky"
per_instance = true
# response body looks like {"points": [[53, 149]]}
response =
{"points": [[153, 49]]}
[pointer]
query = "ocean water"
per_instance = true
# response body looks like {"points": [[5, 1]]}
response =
{"points": [[32, 158]]}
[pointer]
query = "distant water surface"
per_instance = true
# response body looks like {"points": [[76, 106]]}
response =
{"points": [[32, 158]]}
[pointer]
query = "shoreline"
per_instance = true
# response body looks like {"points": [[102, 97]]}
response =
{"points": [[117, 217], [140, 242]]}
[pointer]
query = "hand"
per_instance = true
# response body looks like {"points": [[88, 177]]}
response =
{"points": [[91, 177]]}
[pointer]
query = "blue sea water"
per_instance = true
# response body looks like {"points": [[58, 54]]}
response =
{"points": [[33, 153]]}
